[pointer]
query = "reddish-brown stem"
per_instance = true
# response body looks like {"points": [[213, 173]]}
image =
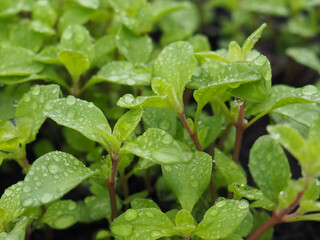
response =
{"points": [[240, 127], [193, 135], [276, 217], [110, 184], [25, 163]]}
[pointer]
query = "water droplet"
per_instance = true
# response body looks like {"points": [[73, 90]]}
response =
{"points": [[53, 168], [35, 90], [243, 204], [221, 202], [167, 168], [238, 101], [71, 100], [27, 98], [214, 212], [150, 214], [90, 105], [8, 192], [27, 189], [72, 206], [28, 202], [45, 198], [128, 99], [167, 139], [71, 114], [122, 229], [67, 34], [309, 90], [195, 183], [64, 221], [155, 234], [130, 215]]}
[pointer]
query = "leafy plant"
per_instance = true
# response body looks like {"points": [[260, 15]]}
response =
{"points": [[123, 103]]}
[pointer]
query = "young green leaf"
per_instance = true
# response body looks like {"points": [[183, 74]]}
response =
{"points": [[147, 223], [61, 214], [229, 169], [127, 123], [176, 64], [251, 40], [165, 7], [309, 201], [32, 106], [212, 55], [129, 101], [269, 167], [19, 230], [314, 132], [140, 203], [222, 219], [235, 51], [136, 49], [122, 72], [189, 180], [10, 203], [50, 177], [83, 117], [208, 129], [10, 136], [305, 56], [185, 224], [201, 77], [158, 146]]}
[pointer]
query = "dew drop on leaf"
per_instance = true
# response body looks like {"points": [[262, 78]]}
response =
{"points": [[195, 183], [27, 189], [45, 198], [167, 168], [150, 214], [64, 221], [53, 168], [221, 202], [243, 204], [130, 215], [71, 100], [214, 212], [309, 90], [123, 229], [155, 234]]}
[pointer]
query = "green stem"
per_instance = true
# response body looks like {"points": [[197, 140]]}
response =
{"points": [[240, 127], [256, 118], [111, 183], [75, 86], [196, 119]]}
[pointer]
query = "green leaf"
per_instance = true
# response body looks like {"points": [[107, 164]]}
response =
{"points": [[103, 46], [245, 227], [136, 49], [270, 7], [121, 72], [83, 117], [259, 219], [189, 180], [314, 132], [309, 202], [212, 55], [44, 12], [133, 224], [10, 136], [208, 129], [200, 78], [52, 176], [269, 167], [161, 118], [235, 52], [185, 224], [31, 106], [77, 51], [129, 101], [307, 217], [162, 8], [199, 43], [229, 169], [10, 202], [158, 146], [140, 203], [62, 214], [176, 64], [222, 219], [19, 230], [251, 40], [94, 4], [305, 56], [77, 141], [18, 61], [135, 14], [127, 123]]}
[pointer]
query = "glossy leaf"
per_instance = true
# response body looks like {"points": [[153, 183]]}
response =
{"points": [[135, 48], [176, 64], [212, 55], [77, 141], [208, 129], [189, 180], [222, 219], [307, 217], [305, 56], [81, 116], [314, 132], [10, 135], [135, 14], [161, 118], [50, 177], [76, 62], [127, 123], [229, 169], [162, 8], [18, 61], [235, 52], [62, 214], [121, 72], [19, 230], [94, 4], [147, 223], [158, 146], [269, 167], [129, 101], [10, 202], [185, 224], [32, 106], [201, 77], [140, 203]]}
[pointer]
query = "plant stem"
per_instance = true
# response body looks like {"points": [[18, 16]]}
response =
{"points": [[277, 217], [110, 184], [125, 187], [25, 162], [240, 127], [193, 135]]}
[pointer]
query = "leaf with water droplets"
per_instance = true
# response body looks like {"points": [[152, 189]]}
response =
{"points": [[305, 56], [129, 101], [31, 107], [77, 51], [83, 117], [136, 49], [309, 202], [10, 203], [140, 203], [19, 230], [185, 224], [314, 131], [235, 52], [209, 128], [201, 77], [127, 123], [158, 146], [10, 136], [122, 72], [189, 180], [147, 223], [163, 8], [269, 167], [52, 176], [176, 64], [18, 61], [61, 214], [199, 43], [162, 118], [222, 219], [251, 40], [135, 14], [231, 172]]}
